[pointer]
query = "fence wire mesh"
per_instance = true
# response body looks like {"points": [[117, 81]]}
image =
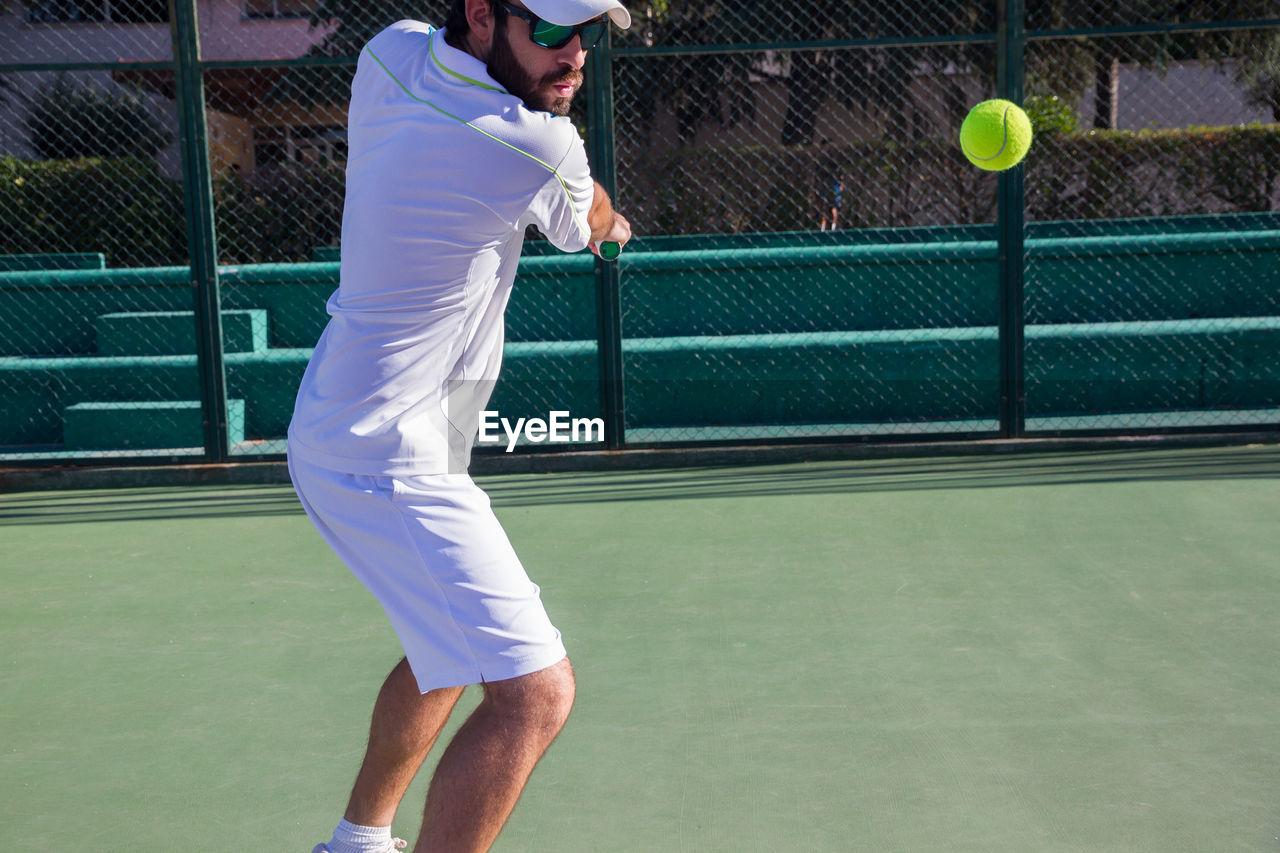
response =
{"points": [[850, 329], [1149, 303], [815, 257], [1130, 326], [92, 226]]}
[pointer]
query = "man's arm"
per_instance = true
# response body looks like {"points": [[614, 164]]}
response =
{"points": [[606, 224]]}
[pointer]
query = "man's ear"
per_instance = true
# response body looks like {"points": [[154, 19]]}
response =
{"points": [[482, 24]]}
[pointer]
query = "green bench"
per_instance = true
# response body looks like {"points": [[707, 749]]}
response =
{"points": [[173, 332], [869, 376], [145, 425], [53, 261], [853, 328]]}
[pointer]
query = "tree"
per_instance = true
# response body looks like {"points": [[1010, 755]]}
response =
{"points": [[714, 86], [1256, 67], [695, 87], [1253, 55], [6, 85], [65, 122], [351, 25]]}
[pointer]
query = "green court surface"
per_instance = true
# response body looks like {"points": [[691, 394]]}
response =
{"points": [[1074, 652]]}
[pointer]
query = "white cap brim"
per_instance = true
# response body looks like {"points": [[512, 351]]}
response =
{"points": [[570, 12]]}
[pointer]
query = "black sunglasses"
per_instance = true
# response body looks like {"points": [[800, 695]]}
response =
{"points": [[555, 36]]}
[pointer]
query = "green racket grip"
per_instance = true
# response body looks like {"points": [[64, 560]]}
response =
{"points": [[609, 250]]}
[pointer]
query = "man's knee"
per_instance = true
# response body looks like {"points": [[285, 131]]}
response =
{"points": [[543, 698]]}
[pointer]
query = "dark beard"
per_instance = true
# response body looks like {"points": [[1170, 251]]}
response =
{"points": [[536, 94]]}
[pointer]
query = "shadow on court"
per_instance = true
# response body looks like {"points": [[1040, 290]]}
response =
{"points": [[867, 476], [147, 504], [843, 477]]}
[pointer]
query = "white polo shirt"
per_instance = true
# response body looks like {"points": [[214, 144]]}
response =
{"points": [[444, 173]]}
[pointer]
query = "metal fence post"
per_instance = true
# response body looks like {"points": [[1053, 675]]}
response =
{"points": [[1010, 74], [600, 133], [201, 236]]}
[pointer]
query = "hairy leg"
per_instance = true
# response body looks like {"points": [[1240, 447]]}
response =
{"points": [[484, 769], [405, 725]]}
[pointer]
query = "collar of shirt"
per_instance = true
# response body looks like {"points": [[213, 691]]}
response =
{"points": [[458, 65]]}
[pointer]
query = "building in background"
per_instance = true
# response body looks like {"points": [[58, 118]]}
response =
{"points": [[249, 123]]}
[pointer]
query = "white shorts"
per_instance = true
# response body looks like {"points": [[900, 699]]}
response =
{"points": [[432, 552]]}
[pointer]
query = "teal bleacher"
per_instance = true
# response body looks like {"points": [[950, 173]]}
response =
{"points": [[855, 328]]}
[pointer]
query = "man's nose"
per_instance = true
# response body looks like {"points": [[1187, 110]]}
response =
{"points": [[572, 53]]}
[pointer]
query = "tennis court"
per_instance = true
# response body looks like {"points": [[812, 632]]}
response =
{"points": [[1049, 652]]}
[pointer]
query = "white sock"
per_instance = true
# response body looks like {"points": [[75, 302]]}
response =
{"points": [[350, 838]]}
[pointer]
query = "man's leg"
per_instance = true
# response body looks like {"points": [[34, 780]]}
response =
{"points": [[481, 774], [405, 725]]}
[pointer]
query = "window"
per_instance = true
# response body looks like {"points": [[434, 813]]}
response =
{"points": [[275, 145], [138, 11], [98, 11], [60, 11], [278, 8]]}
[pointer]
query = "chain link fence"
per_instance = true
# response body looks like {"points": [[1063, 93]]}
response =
{"points": [[1151, 274], [92, 223], [815, 259], [1157, 179], [842, 304]]}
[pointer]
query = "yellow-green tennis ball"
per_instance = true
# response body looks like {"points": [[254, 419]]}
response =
{"points": [[995, 135]]}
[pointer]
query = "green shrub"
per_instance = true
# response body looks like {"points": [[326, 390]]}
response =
{"points": [[1050, 115], [1114, 174], [127, 210], [121, 207], [1097, 174], [764, 188], [279, 214], [65, 122], [134, 215]]}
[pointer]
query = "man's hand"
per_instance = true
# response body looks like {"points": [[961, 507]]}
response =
{"points": [[606, 224]]}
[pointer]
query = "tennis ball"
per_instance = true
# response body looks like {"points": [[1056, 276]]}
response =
{"points": [[995, 135]]}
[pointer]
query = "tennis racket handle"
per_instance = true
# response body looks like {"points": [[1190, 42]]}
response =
{"points": [[609, 250]]}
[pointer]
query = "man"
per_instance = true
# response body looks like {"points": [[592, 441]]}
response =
{"points": [[457, 142], [830, 194]]}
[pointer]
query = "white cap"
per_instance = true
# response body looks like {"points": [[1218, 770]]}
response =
{"points": [[569, 12]]}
